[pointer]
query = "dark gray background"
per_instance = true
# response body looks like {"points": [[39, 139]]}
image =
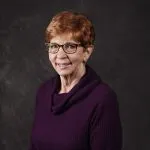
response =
{"points": [[121, 58]]}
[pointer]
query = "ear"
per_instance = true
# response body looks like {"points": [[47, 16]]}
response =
{"points": [[88, 52]]}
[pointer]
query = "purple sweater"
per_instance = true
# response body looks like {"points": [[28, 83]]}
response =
{"points": [[86, 118]]}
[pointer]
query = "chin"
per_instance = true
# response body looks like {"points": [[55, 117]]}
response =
{"points": [[64, 73]]}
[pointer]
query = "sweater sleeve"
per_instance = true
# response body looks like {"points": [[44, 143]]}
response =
{"points": [[105, 126], [35, 118]]}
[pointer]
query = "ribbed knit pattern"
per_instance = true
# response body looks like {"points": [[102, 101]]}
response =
{"points": [[86, 118]]}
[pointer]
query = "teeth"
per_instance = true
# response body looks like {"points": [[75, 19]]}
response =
{"points": [[63, 65]]}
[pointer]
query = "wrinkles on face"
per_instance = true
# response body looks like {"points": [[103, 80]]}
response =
{"points": [[70, 67]]}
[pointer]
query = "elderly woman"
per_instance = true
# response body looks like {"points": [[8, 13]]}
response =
{"points": [[75, 110]]}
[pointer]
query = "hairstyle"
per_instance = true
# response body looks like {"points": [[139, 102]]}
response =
{"points": [[76, 24]]}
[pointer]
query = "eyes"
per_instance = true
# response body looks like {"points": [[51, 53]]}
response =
{"points": [[53, 46], [65, 46], [68, 48], [70, 45]]}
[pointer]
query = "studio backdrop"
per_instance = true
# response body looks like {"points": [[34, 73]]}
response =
{"points": [[121, 58]]}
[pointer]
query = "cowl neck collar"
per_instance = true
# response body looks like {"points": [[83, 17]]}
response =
{"points": [[85, 85]]}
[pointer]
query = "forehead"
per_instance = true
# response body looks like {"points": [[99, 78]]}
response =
{"points": [[63, 38]]}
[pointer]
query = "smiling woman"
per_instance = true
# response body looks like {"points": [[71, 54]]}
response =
{"points": [[76, 35], [75, 110], [70, 65]]}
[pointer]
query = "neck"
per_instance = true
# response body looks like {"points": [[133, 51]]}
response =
{"points": [[69, 81]]}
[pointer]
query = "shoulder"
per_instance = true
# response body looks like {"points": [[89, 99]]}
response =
{"points": [[45, 86], [105, 102], [105, 95]]}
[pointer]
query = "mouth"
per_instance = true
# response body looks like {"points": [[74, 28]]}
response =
{"points": [[63, 65]]}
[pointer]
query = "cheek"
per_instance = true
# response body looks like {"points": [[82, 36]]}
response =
{"points": [[78, 60], [51, 59]]}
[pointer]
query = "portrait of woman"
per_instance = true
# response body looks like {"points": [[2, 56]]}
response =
{"points": [[75, 110]]}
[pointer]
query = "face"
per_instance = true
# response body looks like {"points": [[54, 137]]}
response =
{"points": [[68, 64]]}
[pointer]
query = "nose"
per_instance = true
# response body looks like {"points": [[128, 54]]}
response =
{"points": [[61, 53]]}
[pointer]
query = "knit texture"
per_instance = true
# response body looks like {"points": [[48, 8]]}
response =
{"points": [[86, 118]]}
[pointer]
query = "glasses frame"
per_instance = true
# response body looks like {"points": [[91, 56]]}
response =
{"points": [[62, 45]]}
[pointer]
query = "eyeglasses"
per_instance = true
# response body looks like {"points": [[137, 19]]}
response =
{"points": [[68, 48]]}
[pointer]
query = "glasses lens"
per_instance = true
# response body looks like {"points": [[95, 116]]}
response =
{"points": [[53, 48], [70, 48]]}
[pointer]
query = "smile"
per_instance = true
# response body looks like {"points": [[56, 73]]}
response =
{"points": [[63, 66]]}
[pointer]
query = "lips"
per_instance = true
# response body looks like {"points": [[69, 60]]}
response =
{"points": [[63, 65]]}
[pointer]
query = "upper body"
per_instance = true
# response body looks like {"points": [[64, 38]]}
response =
{"points": [[75, 110], [86, 118]]}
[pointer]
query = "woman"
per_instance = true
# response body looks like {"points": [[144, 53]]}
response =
{"points": [[75, 110]]}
